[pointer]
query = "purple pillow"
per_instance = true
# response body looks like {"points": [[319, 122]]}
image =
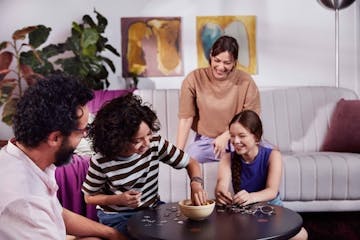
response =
{"points": [[344, 130]]}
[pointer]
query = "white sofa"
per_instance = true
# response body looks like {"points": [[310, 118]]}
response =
{"points": [[296, 120]]}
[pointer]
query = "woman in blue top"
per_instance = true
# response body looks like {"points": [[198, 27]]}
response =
{"points": [[254, 171]]}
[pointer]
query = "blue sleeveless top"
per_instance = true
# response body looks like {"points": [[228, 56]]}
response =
{"points": [[254, 175]]}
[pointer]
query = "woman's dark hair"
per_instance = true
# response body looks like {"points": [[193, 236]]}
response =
{"points": [[251, 121], [49, 105], [225, 44], [118, 121]]}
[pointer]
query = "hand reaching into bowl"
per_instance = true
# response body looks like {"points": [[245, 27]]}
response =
{"points": [[196, 212], [198, 194]]}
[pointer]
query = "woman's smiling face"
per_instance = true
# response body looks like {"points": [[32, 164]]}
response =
{"points": [[242, 139], [222, 64]]}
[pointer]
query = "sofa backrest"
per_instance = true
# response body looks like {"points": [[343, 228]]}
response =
{"points": [[297, 118], [294, 118]]}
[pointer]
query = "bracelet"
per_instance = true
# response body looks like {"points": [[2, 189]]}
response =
{"points": [[197, 179]]}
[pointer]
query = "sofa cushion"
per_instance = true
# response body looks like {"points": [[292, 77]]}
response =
{"points": [[344, 130]]}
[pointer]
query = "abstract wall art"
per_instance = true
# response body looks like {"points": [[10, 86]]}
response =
{"points": [[151, 46], [243, 28]]}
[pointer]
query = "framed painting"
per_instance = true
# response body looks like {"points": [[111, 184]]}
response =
{"points": [[151, 46], [243, 28]]}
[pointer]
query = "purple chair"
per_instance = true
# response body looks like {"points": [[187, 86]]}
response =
{"points": [[103, 96], [71, 176], [70, 179]]}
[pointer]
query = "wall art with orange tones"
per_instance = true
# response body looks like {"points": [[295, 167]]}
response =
{"points": [[151, 46], [243, 28]]}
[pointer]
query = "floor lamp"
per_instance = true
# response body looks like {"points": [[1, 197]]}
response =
{"points": [[336, 5]]}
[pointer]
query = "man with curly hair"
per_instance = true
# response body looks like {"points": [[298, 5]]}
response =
{"points": [[123, 176], [50, 120]]}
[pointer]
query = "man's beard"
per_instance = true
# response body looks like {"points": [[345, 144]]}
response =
{"points": [[64, 154]]}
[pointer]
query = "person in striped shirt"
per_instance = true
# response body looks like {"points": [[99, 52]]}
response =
{"points": [[123, 175]]}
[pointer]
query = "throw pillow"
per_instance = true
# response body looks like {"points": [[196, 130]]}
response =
{"points": [[344, 131]]}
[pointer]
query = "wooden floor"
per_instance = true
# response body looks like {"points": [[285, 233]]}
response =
{"points": [[334, 225]]}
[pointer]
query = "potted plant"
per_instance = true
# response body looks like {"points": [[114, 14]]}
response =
{"points": [[22, 60], [80, 55], [15, 75], [87, 43]]}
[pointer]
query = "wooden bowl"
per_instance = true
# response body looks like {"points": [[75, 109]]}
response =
{"points": [[196, 212]]}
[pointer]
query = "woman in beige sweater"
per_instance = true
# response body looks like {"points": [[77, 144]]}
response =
{"points": [[210, 97]]}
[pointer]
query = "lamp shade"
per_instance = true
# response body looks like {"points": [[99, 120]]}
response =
{"points": [[336, 4]]}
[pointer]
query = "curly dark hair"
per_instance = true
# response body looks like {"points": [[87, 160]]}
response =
{"points": [[118, 121], [49, 105]]}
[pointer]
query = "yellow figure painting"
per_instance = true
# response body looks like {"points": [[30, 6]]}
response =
{"points": [[152, 46], [209, 28]]}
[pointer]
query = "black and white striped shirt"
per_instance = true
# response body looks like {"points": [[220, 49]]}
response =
{"points": [[137, 172]]}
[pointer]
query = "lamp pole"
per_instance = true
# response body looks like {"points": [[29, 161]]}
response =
{"points": [[336, 5]]}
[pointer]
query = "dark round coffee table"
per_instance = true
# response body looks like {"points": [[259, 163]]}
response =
{"points": [[166, 222]]}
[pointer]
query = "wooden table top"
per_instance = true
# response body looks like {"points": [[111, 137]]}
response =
{"points": [[166, 222]]}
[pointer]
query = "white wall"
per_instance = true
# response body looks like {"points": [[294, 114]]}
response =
{"points": [[295, 39]]}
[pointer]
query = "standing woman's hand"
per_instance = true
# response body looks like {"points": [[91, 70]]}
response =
{"points": [[220, 143]]}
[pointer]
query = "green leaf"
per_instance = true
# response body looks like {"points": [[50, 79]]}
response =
{"points": [[7, 87], [89, 37], [84, 71], [103, 73], [29, 58], [74, 66], [102, 22], [89, 52], [73, 44], [39, 35], [112, 49], [52, 50], [9, 111], [76, 27], [61, 47], [109, 63], [107, 83], [95, 68], [101, 43], [88, 20], [4, 45]]}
